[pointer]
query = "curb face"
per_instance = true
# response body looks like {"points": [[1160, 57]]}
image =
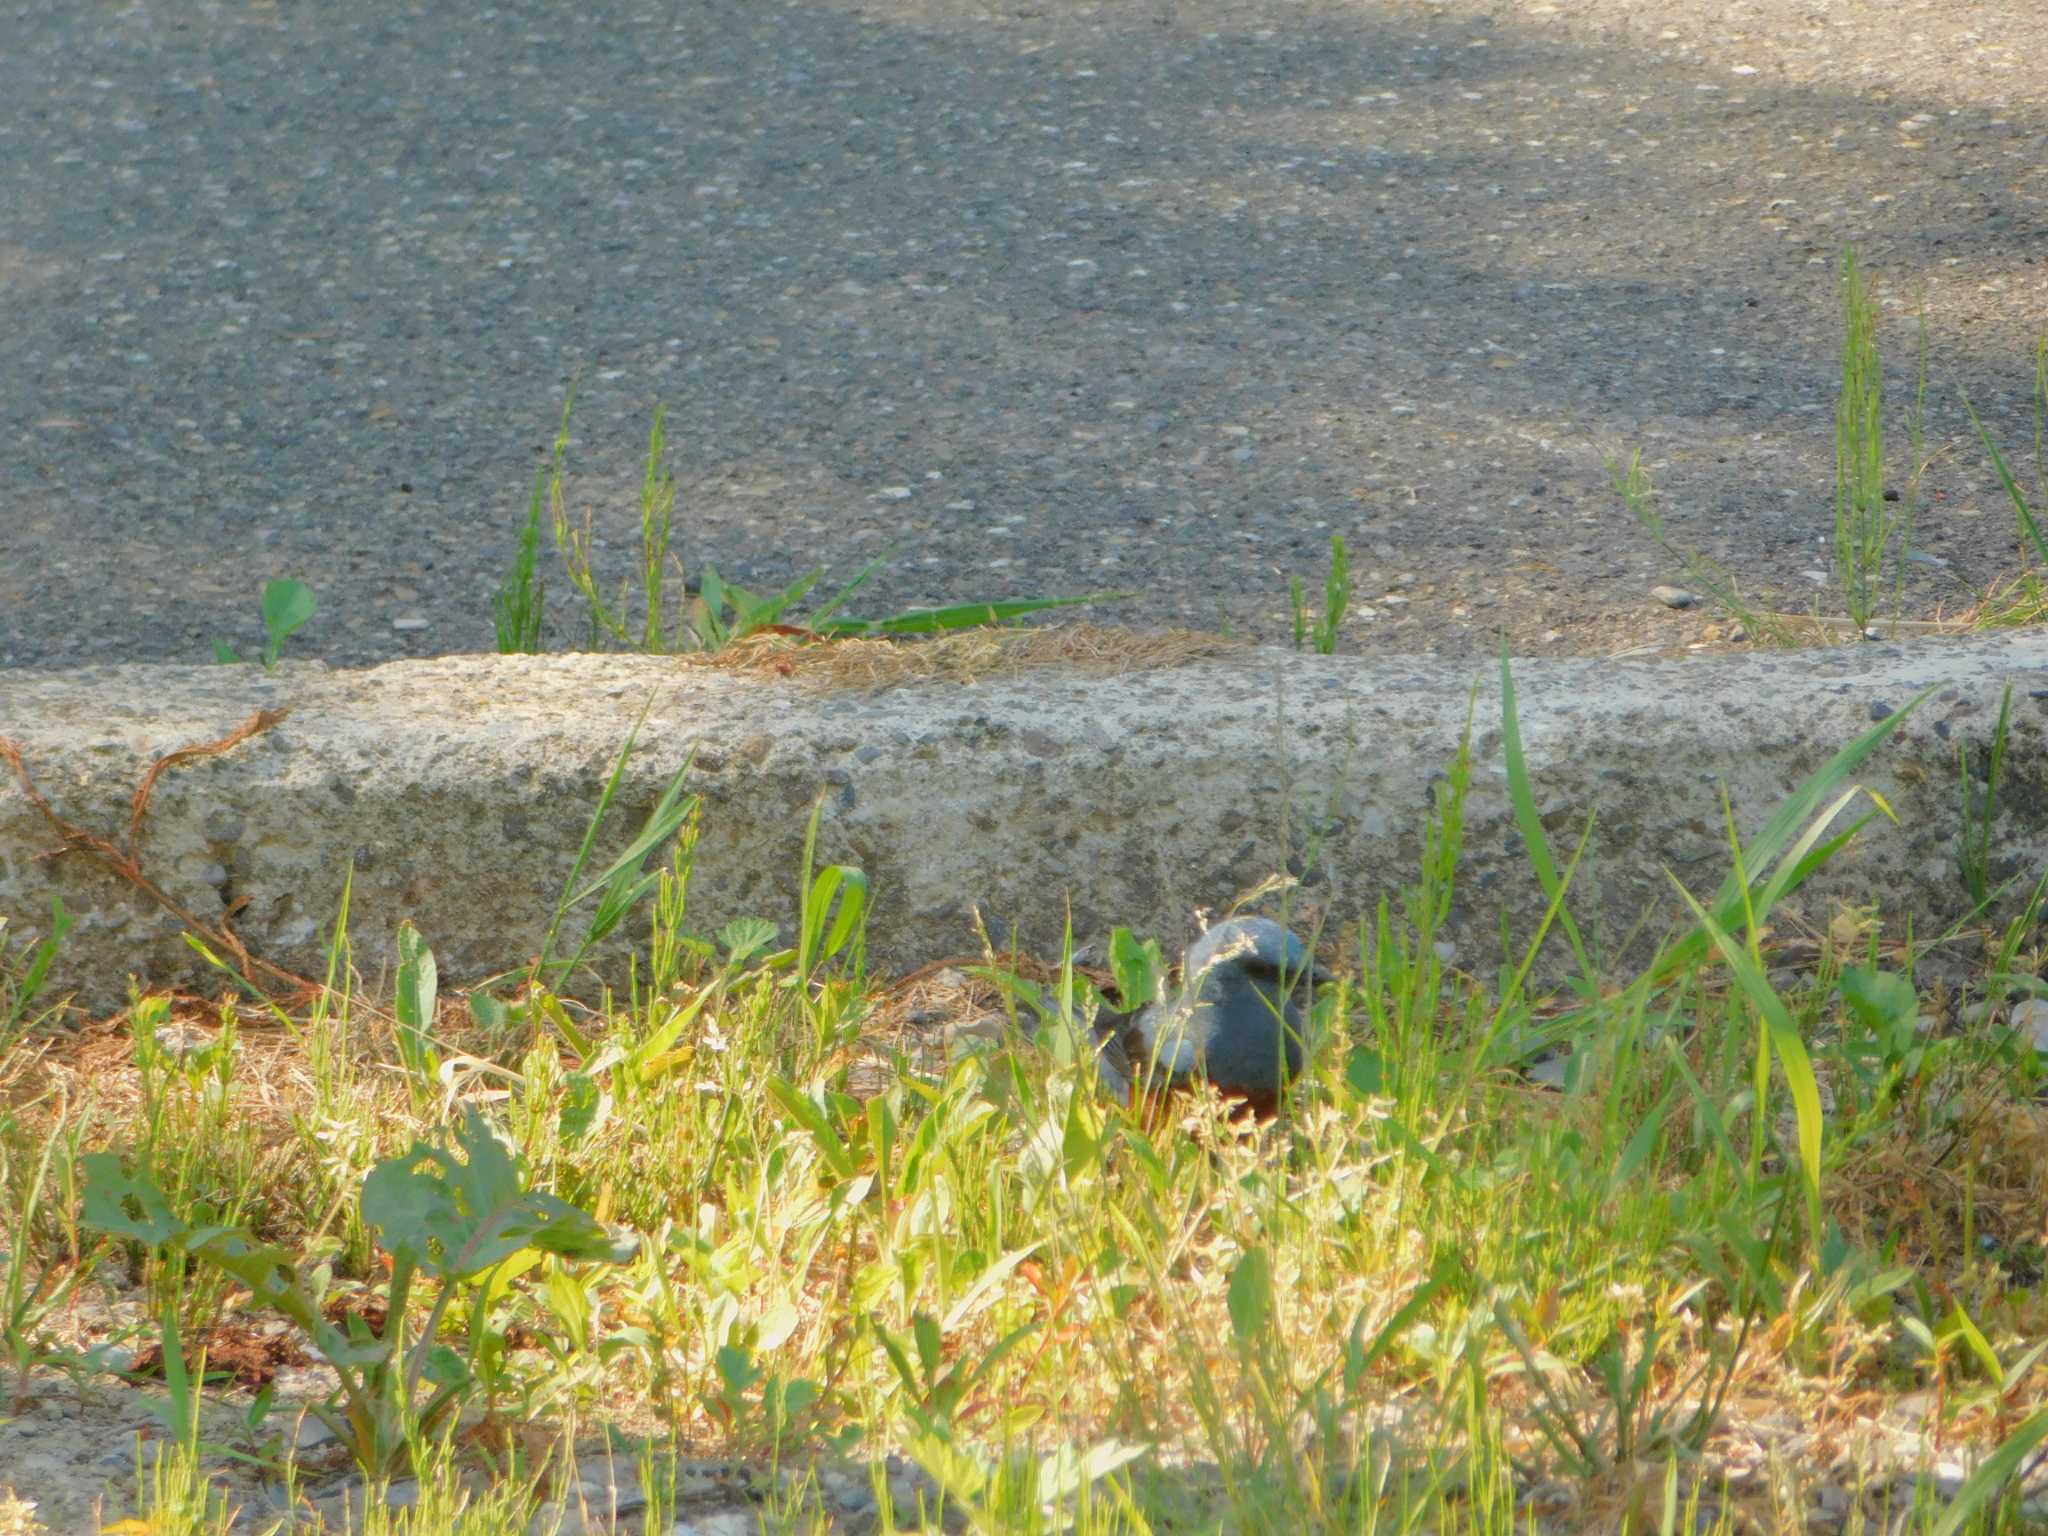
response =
{"points": [[459, 789]]}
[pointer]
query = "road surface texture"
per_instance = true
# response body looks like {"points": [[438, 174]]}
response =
{"points": [[1036, 297]]}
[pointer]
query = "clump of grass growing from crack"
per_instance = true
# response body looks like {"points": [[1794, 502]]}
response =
{"points": [[1979, 793], [1323, 628], [521, 600], [711, 612], [25, 975], [1865, 524]]}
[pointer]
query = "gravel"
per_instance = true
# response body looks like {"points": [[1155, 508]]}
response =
{"points": [[1026, 298], [62, 1468]]}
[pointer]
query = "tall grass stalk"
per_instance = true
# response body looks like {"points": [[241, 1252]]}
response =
{"points": [[1864, 524], [657, 519]]}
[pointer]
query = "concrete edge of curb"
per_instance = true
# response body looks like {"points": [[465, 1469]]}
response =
{"points": [[454, 792]]}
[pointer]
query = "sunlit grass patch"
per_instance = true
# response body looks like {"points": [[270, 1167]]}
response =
{"points": [[1752, 1230]]}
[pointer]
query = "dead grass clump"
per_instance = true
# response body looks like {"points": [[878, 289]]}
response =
{"points": [[963, 657]]}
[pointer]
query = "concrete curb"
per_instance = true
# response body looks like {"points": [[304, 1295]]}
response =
{"points": [[459, 789]]}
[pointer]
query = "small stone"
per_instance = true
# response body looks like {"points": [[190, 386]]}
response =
{"points": [[408, 625], [308, 1433], [908, 1483], [179, 1042], [1555, 1497], [223, 826], [1551, 1071], [124, 1457], [718, 1522], [1879, 710], [1832, 1507], [975, 1036], [1674, 597], [609, 1487], [893, 493], [2030, 1021], [846, 1492]]}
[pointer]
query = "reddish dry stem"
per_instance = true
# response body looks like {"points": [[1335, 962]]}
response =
{"points": [[126, 862]]}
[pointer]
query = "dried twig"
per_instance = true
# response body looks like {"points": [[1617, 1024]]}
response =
{"points": [[125, 860]]}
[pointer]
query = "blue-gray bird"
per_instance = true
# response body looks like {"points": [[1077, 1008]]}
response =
{"points": [[1236, 1020]]}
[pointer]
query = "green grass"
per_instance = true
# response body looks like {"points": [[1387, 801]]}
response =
{"points": [[1871, 526], [1865, 525], [1430, 1294], [1703, 574], [709, 612], [1322, 629]]}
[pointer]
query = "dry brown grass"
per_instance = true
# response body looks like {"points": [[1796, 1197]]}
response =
{"points": [[964, 657]]}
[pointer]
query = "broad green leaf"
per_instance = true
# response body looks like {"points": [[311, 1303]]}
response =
{"points": [[418, 993], [799, 1107], [924, 1330], [1251, 1295], [1366, 1074], [461, 1218], [286, 606], [585, 1107], [124, 1206], [1139, 968], [745, 937], [1960, 1325], [775, 1326], [493, 1016], [1882, 1001]]}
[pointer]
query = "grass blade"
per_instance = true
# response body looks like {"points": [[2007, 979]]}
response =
{"points": [[2033, 528], [934, 621], [1984, 1484], [1789, 1049], [1523, 796], [1764, 849]]}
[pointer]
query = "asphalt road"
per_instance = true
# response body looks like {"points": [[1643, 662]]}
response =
{"points": [[1032, 298]]}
